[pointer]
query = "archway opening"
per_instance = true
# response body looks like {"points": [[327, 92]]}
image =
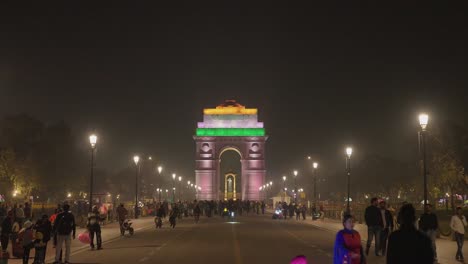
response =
{"points": [[230, 174]]}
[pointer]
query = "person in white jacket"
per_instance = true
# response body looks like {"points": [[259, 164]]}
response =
{"points": [[458, 225]]}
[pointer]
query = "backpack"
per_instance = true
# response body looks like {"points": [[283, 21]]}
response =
{"points": [[65, 224]]}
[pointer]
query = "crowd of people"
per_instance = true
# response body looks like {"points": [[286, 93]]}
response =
{"points": [[19, 230], [413, 242]]}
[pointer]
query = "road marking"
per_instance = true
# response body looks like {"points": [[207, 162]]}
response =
{"points": [[237, 252]]}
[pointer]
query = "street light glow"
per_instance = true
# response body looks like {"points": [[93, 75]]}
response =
{"points": [[93, 140], [174, 176], [284, 178], [160, 169], [315, 165], [180, 178], [423, 121], [136, 159], [150, 158], [296, 173], [271, 183], [349, 151], [188, 182]]}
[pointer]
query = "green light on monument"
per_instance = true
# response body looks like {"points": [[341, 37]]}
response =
{"points": [[230, 132]]}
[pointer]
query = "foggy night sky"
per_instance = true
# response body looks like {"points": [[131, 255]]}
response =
{"points": [[322, 76]]}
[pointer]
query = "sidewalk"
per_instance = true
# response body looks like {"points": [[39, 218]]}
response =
{"points": [[446, 248], [109, 233]]}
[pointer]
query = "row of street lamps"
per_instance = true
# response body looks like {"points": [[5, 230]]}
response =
{"points": [[136, 159], [423, 121]]}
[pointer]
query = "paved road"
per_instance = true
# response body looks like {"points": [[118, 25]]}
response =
{"points": [[252, 239]]}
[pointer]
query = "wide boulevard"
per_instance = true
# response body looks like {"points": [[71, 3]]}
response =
{"points": [[247, 239]]}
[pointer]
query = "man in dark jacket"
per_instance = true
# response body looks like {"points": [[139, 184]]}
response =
{"points": [[7, 225], [387, 226], [408, 245], [374, 222], [94, 218], [65, 227], [429, 224]]}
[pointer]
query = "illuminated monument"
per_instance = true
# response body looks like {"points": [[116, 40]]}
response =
{"points": [[230, 126]]}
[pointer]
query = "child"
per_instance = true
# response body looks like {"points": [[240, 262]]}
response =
{"points": [[40, 247]]}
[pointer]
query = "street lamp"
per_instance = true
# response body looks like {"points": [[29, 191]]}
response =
{"points": [[160, 169], [423, 121], [93, 142], [295, 186], [173, 186], [349, 152], [136, 159], [284, 188], [180, 186], [315, 166]]}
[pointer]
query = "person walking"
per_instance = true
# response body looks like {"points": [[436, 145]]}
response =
{"points": [[173, 217], [94, 228], [27, 212], [298, 212], [348, 248], [291, 209], [7, 225], [408, 245], [65, 226], [428, 224], [263, 207], [121, 216], [26, 238], [458, 224], [304, 212], [373, 219], [196, 212], [387, 226]]}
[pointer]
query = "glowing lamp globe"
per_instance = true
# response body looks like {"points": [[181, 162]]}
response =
{"points": [[423, 121]]}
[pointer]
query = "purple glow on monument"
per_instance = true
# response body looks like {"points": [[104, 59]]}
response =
{"points": [[230, 121]]}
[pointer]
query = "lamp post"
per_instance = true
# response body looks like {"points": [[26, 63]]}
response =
{"points": [[423, 121], [191, 191], [136, 159], [180, 187], [315, 166], [173, 187], [284, 188], [295, 186], [93, 142], [160, 168], [349, 152]]}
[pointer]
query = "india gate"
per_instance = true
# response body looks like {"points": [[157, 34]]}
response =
{"points": [[230, 127]]}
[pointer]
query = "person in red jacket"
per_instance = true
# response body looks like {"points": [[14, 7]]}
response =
{"points": [[348, 248]]}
